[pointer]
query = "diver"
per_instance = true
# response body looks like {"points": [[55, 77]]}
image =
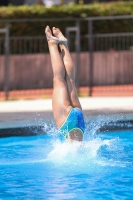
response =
{"points": [[67, 109]]}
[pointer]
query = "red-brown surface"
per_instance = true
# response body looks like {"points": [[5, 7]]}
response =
{"points": [[99, 91], [35, 70]]}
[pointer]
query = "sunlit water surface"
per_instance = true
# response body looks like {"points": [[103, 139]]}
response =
{"points": [[47, 167]]}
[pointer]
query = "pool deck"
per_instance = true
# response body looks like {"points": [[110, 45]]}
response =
{"points": [[30, 112]]}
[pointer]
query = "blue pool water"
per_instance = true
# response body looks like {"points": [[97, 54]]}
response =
{"points": [[45, 167]]}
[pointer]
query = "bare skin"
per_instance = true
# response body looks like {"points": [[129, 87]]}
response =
{"points": [[64, 92], [70, 70]]}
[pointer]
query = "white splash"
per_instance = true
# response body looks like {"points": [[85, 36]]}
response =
{"points": [[78, 156]]}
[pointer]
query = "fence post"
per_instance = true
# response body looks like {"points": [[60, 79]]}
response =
{"points": [[78, 53], [90, 45], [7, 50]]}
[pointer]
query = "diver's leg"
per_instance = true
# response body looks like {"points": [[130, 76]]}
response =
{"points": [[70, 69], [60, 100]]}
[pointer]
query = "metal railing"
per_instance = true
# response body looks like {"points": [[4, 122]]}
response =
{"points": [[92, 43], [37, 44]]}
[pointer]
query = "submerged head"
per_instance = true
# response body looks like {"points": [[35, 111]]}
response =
{"points": [[75, 135]]}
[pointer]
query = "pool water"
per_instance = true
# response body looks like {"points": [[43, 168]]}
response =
{"points": [[46, 167]]}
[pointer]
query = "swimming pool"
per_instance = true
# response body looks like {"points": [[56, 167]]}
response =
{"points": [[46, 167]]}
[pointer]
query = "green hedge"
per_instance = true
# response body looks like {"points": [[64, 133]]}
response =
{"points": [[68, 11]]}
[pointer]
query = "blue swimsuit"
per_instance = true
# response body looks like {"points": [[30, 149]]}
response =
{"points": [[75, 120]]}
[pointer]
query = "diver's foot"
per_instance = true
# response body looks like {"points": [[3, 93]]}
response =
{"points": [[50, 37], [58, 34]]}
